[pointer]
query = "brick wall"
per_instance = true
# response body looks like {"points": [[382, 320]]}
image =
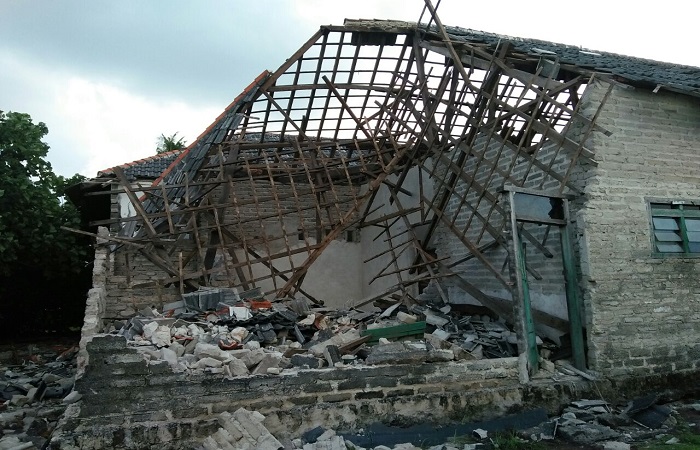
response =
{"points": [[128, 403], [643, 313], [271, 219]]}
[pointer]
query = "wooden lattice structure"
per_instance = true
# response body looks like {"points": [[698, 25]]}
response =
{"points": [[297, 160]]}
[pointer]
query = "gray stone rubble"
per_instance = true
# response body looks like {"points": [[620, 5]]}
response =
{"points": [[588, 423], [30, 411], [222, 332], [36, 385]]}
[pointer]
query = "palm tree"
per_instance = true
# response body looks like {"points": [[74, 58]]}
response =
{"points": [[170, 143]]}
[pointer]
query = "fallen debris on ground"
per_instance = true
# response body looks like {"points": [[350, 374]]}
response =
{"points": [[221, 332], [36, 385]]}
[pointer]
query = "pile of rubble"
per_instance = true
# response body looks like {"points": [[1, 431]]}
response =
{"points": [[36, 385], [241, 430], [220, 331], [597, 424], [584, 423]]}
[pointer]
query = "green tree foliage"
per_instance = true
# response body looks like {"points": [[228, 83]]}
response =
{"points": [[170, 143], [35, 253]]}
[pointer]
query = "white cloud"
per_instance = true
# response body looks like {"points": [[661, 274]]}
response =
{"points": [[653, 31], [95, 124], [320, 12], [117, 127]]}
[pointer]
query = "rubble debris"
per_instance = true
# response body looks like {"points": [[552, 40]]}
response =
{"points": [[242, 429], [73, 397], [481, 433], [646, 412], [398, 353], [36, 384], [616, 445], [597, 423], [224, 332], [398, 331], [578, 424]]}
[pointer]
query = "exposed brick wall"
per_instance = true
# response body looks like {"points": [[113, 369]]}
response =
{"points": [[128, 403], [131, 285], [252, 214], [643, 313]]}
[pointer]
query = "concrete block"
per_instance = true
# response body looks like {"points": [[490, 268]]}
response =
{"points": [[248, 423], [309, 361], [616, 445], [226, 420], [440, 355], [338, 340], [268, 361], [19, 400], [396, 353], [326, 436], [169, 356], [406, 318], [203, 350], [208, 362], [237, 367], [332, 355], [161, 337], [252, 345], [149, 328], [178, 348], [252, 358], [224, 440], [73, 397], [269, 442]]}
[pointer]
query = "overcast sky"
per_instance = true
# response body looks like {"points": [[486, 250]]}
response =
{"points": [[108, 77]]}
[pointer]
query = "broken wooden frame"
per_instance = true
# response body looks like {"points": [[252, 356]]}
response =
{"points": [[298, 160]]}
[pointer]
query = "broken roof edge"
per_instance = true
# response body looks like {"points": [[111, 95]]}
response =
{"points": [[674, 77], [109, 172], [263, 75], [400, 26]]}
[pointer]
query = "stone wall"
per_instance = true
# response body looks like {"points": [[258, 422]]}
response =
{"points": [[132, 284], [643, 312], [128, 403]]}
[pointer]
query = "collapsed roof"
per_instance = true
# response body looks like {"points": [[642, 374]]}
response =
{"points": [[149, 168], [304, 151]]}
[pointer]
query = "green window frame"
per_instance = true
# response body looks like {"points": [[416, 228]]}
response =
{"points": [[675, 228]]}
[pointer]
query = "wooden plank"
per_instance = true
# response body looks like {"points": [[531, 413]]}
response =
{"points": [[335, 232], [573, 297], [291, 60]]}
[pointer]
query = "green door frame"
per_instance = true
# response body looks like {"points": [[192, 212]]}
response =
{"points": [[521, 293]]}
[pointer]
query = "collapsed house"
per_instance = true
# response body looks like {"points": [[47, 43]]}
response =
{"points": [[440, 169]]}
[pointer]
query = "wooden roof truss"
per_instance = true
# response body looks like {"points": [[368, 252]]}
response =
{"points": [[308, 146]]}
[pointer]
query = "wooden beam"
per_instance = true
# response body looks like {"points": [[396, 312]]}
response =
{"points": [[138, 206], [335, 232]]}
